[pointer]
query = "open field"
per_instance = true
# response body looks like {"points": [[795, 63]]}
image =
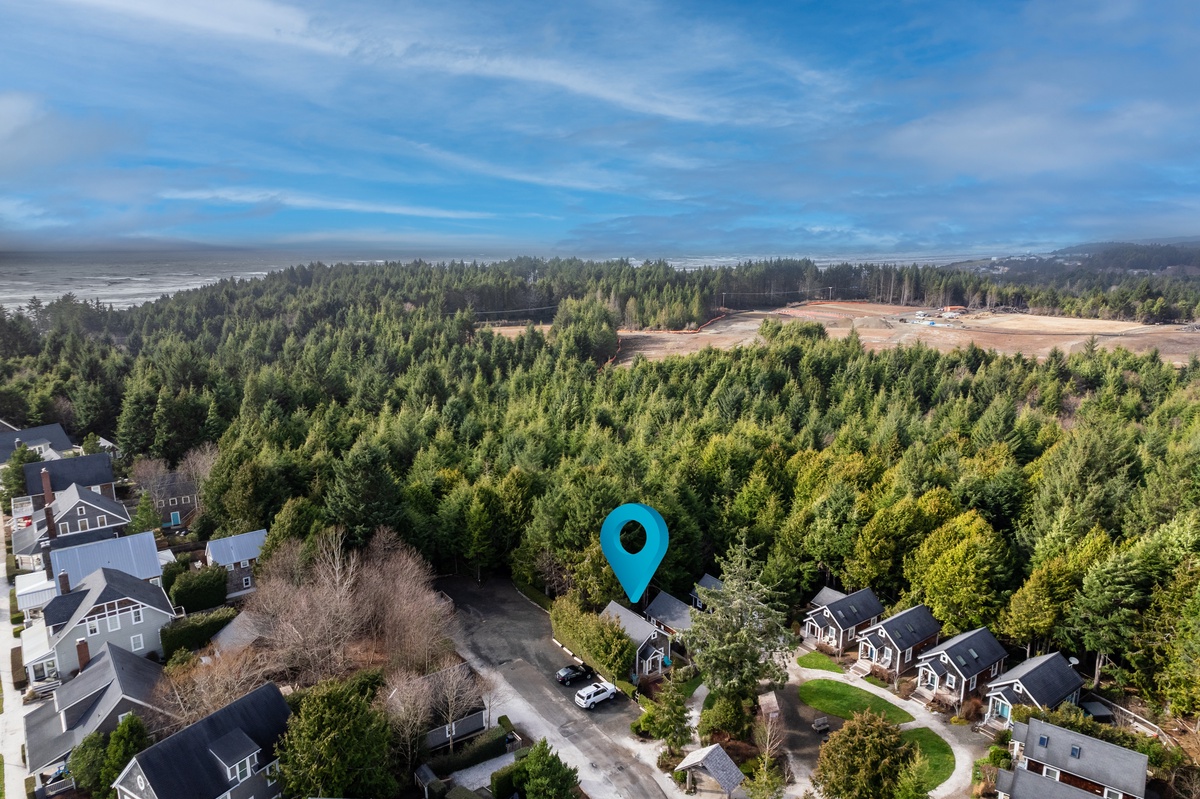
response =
{"points": [[843, 701]]}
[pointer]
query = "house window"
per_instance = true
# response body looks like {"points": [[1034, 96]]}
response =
{"points": [[995, 669], [83, 525], [951, 681], [80, 511], [96, 489], [272, 772], [245, 582], [101, 520], [1043, 741], [114, 623], [245, 564], [1051, 773], [63, 527], [174, 501], [186, 500], [971, 685], [908, 654], [161, 504], [229, 567], [1075, 752], [93, 627], [137, 615], [136, 644], [156, 581], [45, 671], [243, 770], [122, 716], [1110, 793], [141, 782]]}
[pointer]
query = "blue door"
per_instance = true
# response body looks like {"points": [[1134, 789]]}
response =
{"points": [[175, 522]]}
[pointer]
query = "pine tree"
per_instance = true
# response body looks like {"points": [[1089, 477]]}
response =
{"points": [[12, 481], [87, 761], [766, 782], [863, 760], [129, 738], [146, 516], [546, 776], [671, 716]]}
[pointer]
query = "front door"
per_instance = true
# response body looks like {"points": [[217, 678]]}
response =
{"points": [[175, 521]]}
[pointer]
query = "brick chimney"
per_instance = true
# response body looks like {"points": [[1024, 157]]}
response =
{"points": [[46, 560], [64, 583], [51, 528], [81, 652], [47, 491]]}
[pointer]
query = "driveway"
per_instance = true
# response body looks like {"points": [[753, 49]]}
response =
{"points": [[507, 637]]}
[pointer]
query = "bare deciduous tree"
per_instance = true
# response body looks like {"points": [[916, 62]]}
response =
{"points": [[456, 692], [153, 476], [407, 700], [768, 735], [195, 467], [208, 683]]}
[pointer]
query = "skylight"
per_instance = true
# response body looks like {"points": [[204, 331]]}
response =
{"points": [[974, 654], [1076, 752], [960, 660], [1044, 741]]}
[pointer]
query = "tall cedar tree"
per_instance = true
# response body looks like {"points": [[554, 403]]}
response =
{"points": [[545, 775], [863, 760], [129, 738]]}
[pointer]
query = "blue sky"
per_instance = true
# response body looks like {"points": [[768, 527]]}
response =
{"points": [[640, 129]]}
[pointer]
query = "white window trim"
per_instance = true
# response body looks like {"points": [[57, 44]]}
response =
{"points": [[81, 511], [1051, 772], [101, 520], [83, 525], [121, 717], [136, 616], [136, 643], [951, 681], [246, 582], [245, 564], [908, 655], [229, 567], [971, 685], [93, 627], [64, 527], [114, 623]]}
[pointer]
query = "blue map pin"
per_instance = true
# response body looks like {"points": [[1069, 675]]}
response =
{"points": [[634, 570]]}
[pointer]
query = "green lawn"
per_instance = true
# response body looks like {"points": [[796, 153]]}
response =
{"points": [[818, 660], [878, 683], [941, 758], [689, 687], [843, 701]]}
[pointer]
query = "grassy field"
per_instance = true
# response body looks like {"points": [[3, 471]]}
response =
{"points": [[818, 660], [941, 758], [843, 701]]}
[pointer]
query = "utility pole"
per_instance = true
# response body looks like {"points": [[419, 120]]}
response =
{"points": [[831, 293]]}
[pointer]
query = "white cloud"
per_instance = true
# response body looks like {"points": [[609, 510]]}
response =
{"points": [[18, 213], [251, 196]]}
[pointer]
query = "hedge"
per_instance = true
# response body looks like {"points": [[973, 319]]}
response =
{"points": [[459, 792], [483, 747], [504, 780], [200, 590], [20, 679], [598, 640], [533, 594], [193, 632]]}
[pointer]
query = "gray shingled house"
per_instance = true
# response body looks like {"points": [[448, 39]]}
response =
{"points": [[229, 754], [93, 472], [114, 684], [1051, 762], [836, 624], [653, 645], [709, 582], [671, 615], [133, 554], [238, 554], [955, 669], [896, 643], [76, 516], [48, 439], [1043, 682]]}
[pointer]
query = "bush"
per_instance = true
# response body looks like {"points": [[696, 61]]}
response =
{"points": [[483, 747], [599, 640], [505, 723], [972, 709], [538, 597], [999, 757], [17, 618], [727, 715], [171, 573], [199, 590], [20, 679], [438, 789], [504, 780], [459, 792], [644, 725], [193, 632]]}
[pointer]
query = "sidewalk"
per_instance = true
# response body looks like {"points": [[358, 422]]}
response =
{"points": [[12, 727]]}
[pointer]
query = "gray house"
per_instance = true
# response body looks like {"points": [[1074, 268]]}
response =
{"points": [[836, 623], [1051, 762], [1044, 682], [134, 554], [229, 754], [108, 606], [48, 439], [669, 614], [76, 516], [44, 480], [176, 499], [653, 645], [709, 582], [238, 554], [114, 684], [955, 669], [895, 643]]}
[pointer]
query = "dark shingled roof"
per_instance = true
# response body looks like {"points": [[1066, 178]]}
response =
{"points": [[709, 582], [1022, 784], [53, 433], [1099, 761], [852, 610], [29, 540], [183, 766], [1047, 680], [637, 628], [716, 763], [102, 585], [87, 470], [970, 653], [671, 612], [910, 627], [825, 596]]}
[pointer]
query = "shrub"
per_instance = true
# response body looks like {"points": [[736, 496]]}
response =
{"points": [[505, 723], [972, 709], [727, 715], [1004, 737], [459, 792], [599, 640], [504, 780], [17, 618], [199, 590], [193, 632], [438, 789], [906, 688], [644, 725], [483, 747], [999, 757], [171, 573], [20, 679]]}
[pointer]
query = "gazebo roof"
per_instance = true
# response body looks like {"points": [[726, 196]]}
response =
{"points": [[716, 763]]}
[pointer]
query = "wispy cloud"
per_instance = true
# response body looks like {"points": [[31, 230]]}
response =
{"points": [[251, 196]]}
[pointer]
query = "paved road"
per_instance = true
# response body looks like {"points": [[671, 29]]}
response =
{"points": [[508, 637]]}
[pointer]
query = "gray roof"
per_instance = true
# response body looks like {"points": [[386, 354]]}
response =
{"points": [[1047, 679], [637, 628], [971, 653], [716, 763], [183, 766], [25, 541], [850, 611], [102, 585], [113, 675], [709, 582], [1108, 764], [134, 554], [53, 433], [88, 470], [670, 612], [232, 748], [910, 627], [1022, 784], [240, 633], [29, 540], [825, 596], [244, 546]]}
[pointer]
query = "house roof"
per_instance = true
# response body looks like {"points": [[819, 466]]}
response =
{"points": [[113, 675], [825, 596], [1046, 679], [28, 541], [1108, 764], [1022, 784], [102, 585], [970, 653], [634, 625], [709, 582], [850, 611], [52, 433], [71, 496], [35, 590], [671, 612], [240, 633], [716, 763], [244, 546], [183, 766], [134, 554], [910, 627], [88, 470]]}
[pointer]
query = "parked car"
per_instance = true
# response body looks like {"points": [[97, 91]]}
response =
{"points": [[594, 694], [576, 671]]}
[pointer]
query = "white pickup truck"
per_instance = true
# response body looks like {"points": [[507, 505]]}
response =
{"points": [[595, 693]]}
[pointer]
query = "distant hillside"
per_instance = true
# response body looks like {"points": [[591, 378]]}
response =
{"points": [[1129, 256]]}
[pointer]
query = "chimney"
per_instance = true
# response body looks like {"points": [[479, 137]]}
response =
{"points": [[51, 529], [64, 583], [49, 569], [47, 492], [81, 652]]}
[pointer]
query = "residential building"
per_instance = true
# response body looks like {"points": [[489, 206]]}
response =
{"points": [[895, 643], [836, 624], [76, 516], [238, 554], [959, 667], [709, 582], [229, 754], [133, 554], [246, 631], [49, 441], [669, 614], [93, 472], [114, 684], [1052, 762], [1043, 682], [653, 645], [176, 499], [108, 606], [824, 597]]}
